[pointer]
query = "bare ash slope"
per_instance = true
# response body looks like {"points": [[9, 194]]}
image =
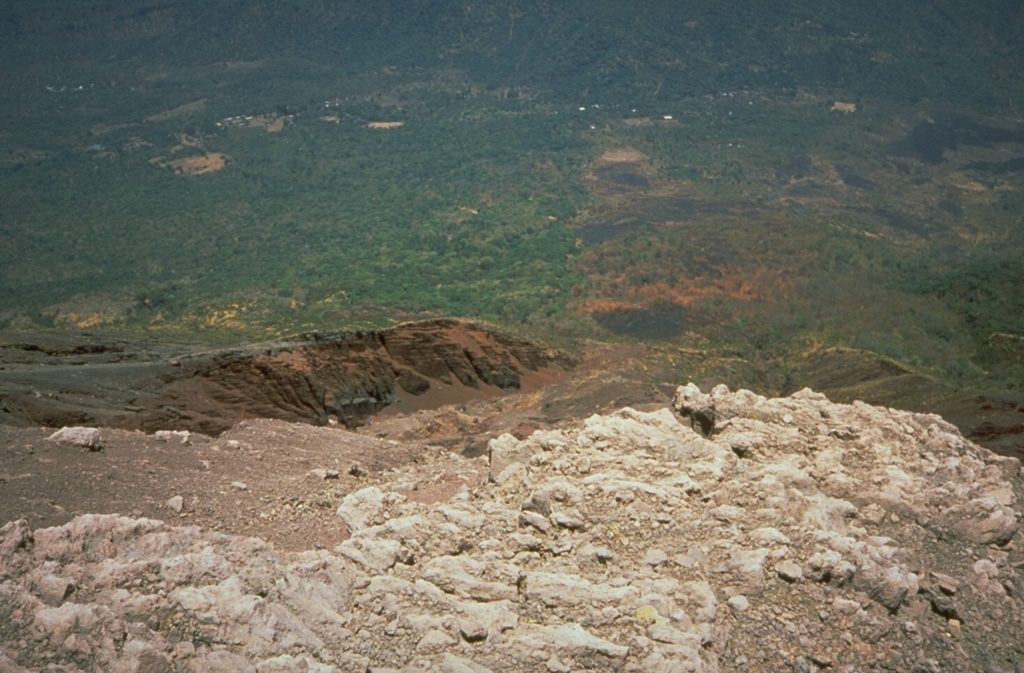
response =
{"points": [[798, 535]]}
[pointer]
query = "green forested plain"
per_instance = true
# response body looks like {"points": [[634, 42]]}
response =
{"points": [[766, 218]]}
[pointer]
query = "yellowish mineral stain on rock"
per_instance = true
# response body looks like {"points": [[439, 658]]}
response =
{"points": [[648, 614]]}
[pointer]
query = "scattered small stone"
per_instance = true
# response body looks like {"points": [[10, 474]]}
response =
{"points": [[472, 631], [625, 496], [845, 606], [946, 584], [571, 520], [54, 589], [944, 605], [821, 659], [739, 603], [539, 522], [526, 542], [539, 502], [562, 545], [239, 485], [790, 571], [434, 640], [655, 557], [871, 513], [176, 503]]}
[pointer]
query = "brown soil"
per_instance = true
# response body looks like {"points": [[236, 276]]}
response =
{"points": [[205, 163], [294, 477], [623, 155], [269, 123]]}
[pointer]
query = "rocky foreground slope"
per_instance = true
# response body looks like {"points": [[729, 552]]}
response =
{"points": [[734, 533]]}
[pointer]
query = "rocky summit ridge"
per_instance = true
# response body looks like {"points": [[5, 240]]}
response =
{"points": [[729, 533]]}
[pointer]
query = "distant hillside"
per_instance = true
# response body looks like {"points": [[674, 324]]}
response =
{"points": [[599, 50]]}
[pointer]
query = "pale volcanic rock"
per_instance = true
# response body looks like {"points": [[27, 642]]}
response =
{"points": [[176, 503], [742, 533], [88, 438]]}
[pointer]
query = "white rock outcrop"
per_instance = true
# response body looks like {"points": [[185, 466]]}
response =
{"points": [[88, 438], [741, 533]]}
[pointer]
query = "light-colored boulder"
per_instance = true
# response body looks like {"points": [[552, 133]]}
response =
{"points": [[504, 453], [362, 508], [88, 438]]}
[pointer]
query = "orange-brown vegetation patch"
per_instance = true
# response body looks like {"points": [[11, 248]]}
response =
{"points": [[759, 285], [185, 141], [621, 155], [84, 312], [180, 111], [224, 317], [230, 316], [197, 165], [270, 123]]}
